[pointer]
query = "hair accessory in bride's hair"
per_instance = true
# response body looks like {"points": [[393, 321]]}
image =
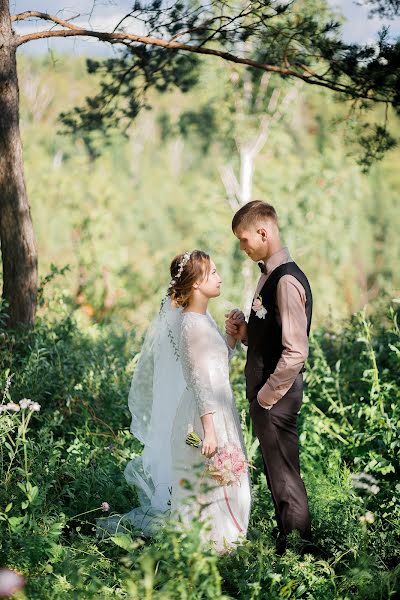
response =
{"points": [[185, 259], [181, 266]]}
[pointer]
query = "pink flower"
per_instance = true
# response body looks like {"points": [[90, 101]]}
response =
{"points": [[13, 406], [105, 507], [25, 402], [10, 582], [227, 466]]}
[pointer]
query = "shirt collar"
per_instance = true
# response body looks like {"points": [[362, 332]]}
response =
{"points": [[279, 258]]}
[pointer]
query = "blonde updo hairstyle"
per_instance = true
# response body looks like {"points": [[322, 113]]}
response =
{"points": [[197, 268]]}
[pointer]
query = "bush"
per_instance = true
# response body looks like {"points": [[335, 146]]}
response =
{"points": [[58, 467]]}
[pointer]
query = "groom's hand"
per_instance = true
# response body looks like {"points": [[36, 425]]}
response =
{"points": [[235, 325], [265, 397]]}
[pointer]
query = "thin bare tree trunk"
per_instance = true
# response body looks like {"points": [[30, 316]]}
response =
{"points": [[240, 191], [18, 247], [247, 159]]}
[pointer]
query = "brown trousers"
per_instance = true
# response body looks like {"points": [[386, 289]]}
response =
{"points": [[277, 432]]}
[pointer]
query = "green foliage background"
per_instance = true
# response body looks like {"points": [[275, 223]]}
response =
{"points": [[157, 191], [79, 444], [117, 219]]}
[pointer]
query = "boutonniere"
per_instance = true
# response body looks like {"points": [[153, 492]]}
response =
{"points": [[258, 308]]}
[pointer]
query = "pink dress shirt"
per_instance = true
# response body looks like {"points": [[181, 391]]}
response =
{"points": [[291, 315]]}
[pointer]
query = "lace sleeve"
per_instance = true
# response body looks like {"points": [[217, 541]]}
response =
{"points": [[231, 351], [197, 362]]}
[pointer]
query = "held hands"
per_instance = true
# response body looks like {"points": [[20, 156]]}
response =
{"points": [[235, 325]]}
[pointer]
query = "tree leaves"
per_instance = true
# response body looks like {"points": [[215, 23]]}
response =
{"points": [[295, 39], [125, 83], [384, 8]]}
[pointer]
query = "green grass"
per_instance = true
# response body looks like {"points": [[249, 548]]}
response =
{"points": [[77, 446]]}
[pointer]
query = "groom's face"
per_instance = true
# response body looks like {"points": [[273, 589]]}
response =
{"points": [[252, 243]]}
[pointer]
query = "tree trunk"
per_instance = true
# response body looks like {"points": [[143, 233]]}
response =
{"points": [[18, 247], [247, 159]]}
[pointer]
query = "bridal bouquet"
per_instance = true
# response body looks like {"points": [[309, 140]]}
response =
{"points": [[227, 464]]}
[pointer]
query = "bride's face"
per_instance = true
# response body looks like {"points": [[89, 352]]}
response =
{"points": [[211, 284]]}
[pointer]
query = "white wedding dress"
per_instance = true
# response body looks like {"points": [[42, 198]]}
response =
{"points": [[204, 356], [182, 374]]}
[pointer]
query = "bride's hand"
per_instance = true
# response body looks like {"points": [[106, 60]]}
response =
{"points": [[235, 324], [209, 445]]}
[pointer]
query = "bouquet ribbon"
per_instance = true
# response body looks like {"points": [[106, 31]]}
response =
{"points": [[226, 467]]}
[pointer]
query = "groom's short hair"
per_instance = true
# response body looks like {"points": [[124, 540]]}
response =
{"points": [[251, 213]]}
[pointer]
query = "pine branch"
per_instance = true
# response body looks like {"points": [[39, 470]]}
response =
{"points": [[129, 39]]}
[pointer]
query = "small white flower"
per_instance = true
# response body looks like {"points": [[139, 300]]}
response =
{"points": [[25, 402], [35, 406], [105, 507], [13, 406], [181, 266], [382, 60], [368, 517]]}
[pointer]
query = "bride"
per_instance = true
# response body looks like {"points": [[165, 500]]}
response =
{"points": [[181, 384]]}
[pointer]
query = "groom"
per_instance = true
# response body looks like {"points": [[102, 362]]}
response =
{"points": [[276, 336]]}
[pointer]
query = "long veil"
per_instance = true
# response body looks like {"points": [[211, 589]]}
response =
{"points": [[156, 387]]}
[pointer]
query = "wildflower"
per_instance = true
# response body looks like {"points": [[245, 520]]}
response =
{"points": [[7, 386], [366, 482], [13, 406], [25, 402], [330, 336], [35, 406], [105, 507], [368, 517], [10, 582]]}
